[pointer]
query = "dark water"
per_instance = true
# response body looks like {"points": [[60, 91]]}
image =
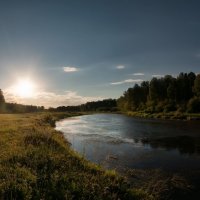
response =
{"points": [[118, 141]]}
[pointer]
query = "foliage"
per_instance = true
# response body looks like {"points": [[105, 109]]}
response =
{"points": [[197, 85], [2, 102], [104, 105], [162, 95], [19, 108], [193, 105]]}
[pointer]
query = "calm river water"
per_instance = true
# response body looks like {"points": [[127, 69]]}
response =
{"points": [[118, 141]]}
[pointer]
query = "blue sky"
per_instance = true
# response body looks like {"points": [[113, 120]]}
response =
{"points": [[76, 50]]}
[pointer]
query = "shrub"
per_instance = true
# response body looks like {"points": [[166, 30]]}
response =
{"points": [[171, 106], [48, 119], [193, 105]]}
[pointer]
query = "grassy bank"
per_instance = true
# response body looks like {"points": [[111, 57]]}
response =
{"points": [[162, 115], [36, 162]]}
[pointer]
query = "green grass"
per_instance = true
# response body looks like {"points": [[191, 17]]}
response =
{"points": [[36, 162]]}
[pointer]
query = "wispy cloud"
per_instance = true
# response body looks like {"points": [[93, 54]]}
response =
{"points": [[138, 74], [157, 75], [120, 67], [50, 99], [127, 81], [70, 69]]}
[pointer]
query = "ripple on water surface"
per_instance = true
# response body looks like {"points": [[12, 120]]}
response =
{"points": [[119, 141]]}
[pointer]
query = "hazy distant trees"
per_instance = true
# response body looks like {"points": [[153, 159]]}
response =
{"points": [[104, 105], [17, 108], [164, 95], [2, 101]]}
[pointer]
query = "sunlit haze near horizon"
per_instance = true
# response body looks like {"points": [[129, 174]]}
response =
{"points": [[68, 52]]}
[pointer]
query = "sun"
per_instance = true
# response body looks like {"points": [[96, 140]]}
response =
{"points": [[24, 88]]}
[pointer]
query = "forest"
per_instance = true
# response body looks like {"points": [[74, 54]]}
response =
{"points": [[164, 95], [95, 106]]}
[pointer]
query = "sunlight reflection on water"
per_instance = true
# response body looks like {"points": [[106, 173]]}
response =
{"points": [[119, 141]]}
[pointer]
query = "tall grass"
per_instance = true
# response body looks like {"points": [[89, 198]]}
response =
{"points": [[36, 162]]}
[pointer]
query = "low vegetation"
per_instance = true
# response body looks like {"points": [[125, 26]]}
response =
{"points": [[158, 184], [173, 115], [36, 162]]}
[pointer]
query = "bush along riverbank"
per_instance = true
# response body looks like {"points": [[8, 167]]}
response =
{"points": [[36, 162], [162, 115]]}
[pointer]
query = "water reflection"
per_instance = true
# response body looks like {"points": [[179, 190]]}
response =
{"points": [[184, 144], [117, 140]]}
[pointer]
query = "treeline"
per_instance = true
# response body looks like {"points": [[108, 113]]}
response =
{"points": [[17, 108], [158, 95], [104, 105], [164, 95]]}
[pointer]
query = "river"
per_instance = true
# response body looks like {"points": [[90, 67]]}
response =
{"points": [[118, 141]]}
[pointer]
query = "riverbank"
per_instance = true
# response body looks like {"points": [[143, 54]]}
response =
{"points": [[173, 115], [164, 166], [165, 116], [36, 162]]}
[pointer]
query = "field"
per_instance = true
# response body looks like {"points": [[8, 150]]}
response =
{"points": [[36, 162]]}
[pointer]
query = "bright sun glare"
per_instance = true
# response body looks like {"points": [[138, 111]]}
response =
{"points": [[24, 88]]}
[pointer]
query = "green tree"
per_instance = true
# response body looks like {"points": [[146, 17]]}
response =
{"points": [[184, 86], [157, 90], [2, 101], [145, 91], [170, 87], [193, 105], [197, 85], [171, 91], [191, 79]]}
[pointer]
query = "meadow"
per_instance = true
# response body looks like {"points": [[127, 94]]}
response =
{"points": [[36, 162]]}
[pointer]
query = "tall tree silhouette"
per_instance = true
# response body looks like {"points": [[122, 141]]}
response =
{"points": [[197, 85], [2, 101]]}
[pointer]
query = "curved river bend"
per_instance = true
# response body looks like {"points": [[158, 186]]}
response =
{"points": [[118, 141]]}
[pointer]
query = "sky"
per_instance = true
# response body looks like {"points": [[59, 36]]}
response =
{"points": [[73, 51]]}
